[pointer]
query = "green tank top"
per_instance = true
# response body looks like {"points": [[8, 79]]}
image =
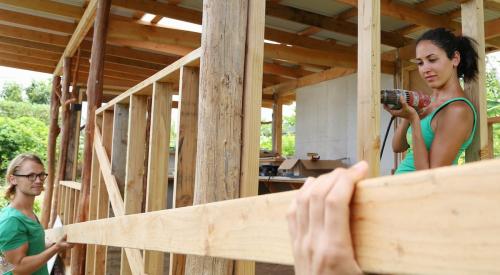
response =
{"points": [[17, 229], [408, 163]]}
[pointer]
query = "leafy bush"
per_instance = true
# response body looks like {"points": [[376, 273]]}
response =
{"points": [[19, 135]]}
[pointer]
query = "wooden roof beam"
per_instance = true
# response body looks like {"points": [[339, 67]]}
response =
{"points": [[81, 30], [48, 7], [432, 3], [328, 23], [410, 14]]}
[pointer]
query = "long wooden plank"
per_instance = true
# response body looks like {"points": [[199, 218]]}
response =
{"points": [[473, 26], [285, 88], [133, 255], [79, 34], [159, 151], [102, 194], [442, 221], [95, 174], [164, 75], [368, 119], [47, 6], [185, 151], [252, 101], [71, 184], [136, 152]]}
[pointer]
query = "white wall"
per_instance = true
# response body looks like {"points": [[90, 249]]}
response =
{"points": [[326, 121]]}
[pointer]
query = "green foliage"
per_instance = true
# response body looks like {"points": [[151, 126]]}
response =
{"points": [[39, 91], [19, 135], [493, 105], [14, 109], [287, 139], [3, 201], [11, 91]]}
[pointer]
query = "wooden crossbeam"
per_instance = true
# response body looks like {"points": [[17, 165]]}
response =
{"points": [[285, 88], [168, 74], [71, 184], [410, 14], [328, 23], [36, 21], [48, 7], [81, 30], [443, 221]]}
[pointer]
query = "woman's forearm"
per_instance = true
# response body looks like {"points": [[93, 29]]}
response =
{"points": [[30, 264], [420, 152], [399, 142]]}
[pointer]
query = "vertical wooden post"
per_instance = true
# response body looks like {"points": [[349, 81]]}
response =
{"points": [[74, 136], [118, 163], [64, 134], [222, 66], [157, 180], [94, 99], [473, 26], [102, 193], [66, 118], [491, 150], [277, 129], [252, 102], [185, 151], [368, 121], [51, 154], [93, 200], [136, 152]]}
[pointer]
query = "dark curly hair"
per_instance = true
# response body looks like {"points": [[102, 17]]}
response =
{"points": [[449, 42]]}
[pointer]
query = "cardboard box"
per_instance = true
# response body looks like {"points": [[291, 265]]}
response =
{"points": [[309, 168]]}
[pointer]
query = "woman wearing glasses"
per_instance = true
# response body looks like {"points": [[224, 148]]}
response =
{"points": [[22, 237]]}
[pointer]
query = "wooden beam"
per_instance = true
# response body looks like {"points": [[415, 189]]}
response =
{"points": [[493, 120], [102, 210], [94, 99], [218, 164], [185, 151], [94, 195], [81, 30], [277, 127], [47, 6], [283, 88], [368, 118], [328, 23], [31, 44], [71, 184], [435, 238], [39, 22], [410, 14], [252, 102], [492, 28], [159, 152], [34, 36], [168, 74], [136, 153], [473, 26], [48, 206]]}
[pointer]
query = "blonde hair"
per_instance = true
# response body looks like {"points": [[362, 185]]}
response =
{"points": [[13, 168]]}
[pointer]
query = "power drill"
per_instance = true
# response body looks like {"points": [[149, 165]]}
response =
{"points": [[390, 97]]}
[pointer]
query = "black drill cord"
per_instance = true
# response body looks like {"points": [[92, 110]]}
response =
{"points": [[386, 134]]}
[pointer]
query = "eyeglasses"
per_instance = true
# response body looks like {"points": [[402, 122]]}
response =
{"points": [[32, 177]]}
